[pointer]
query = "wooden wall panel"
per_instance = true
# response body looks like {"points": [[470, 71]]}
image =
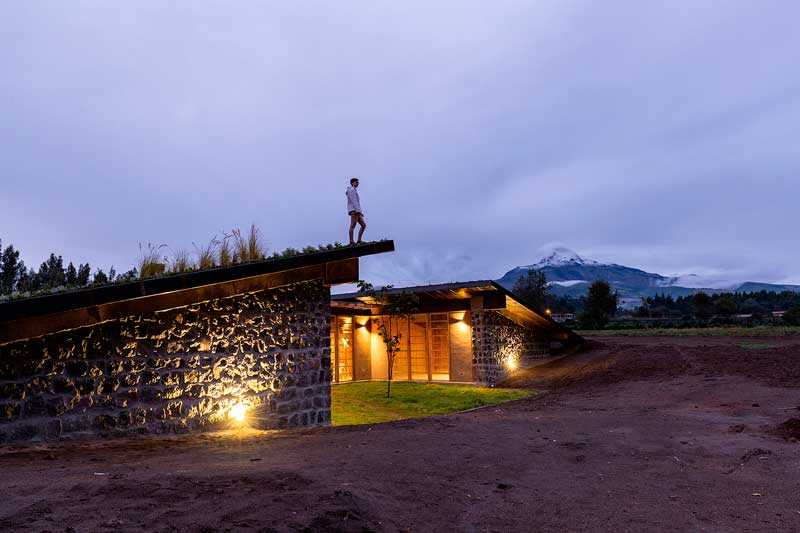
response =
{"points": [[378, 362]]}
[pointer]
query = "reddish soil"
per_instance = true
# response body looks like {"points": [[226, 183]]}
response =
{"points": [[635, 434]]}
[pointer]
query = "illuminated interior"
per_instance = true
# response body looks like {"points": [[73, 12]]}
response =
{"points": [[440, 346], [429, 342], [342, 341]]}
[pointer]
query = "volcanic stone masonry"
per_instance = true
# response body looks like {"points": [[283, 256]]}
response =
{"points": [[500, 345], [175, 370]]}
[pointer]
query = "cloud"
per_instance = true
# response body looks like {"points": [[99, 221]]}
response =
{"points": [[640, 133]]}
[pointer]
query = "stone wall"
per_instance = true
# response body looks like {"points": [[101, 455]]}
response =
{"points": [[175, 370], [496, 340]]}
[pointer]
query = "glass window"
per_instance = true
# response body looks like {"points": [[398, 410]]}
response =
{"points": [[344, 360], [440, 347]]}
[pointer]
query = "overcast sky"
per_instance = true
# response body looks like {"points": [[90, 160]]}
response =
{"points": [[660, 135]]}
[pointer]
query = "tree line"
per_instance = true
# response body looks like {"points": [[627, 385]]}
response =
{"points": [[702, 307], [599, 306], [17, 277]]}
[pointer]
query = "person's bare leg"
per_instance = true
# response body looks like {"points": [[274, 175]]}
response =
{"points": [[353, 220], [363, 227]]}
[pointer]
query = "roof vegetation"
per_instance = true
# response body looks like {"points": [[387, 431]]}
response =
{"points": [[235, 247]]}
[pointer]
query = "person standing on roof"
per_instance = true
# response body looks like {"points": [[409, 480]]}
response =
{"points": [[354, 210]]}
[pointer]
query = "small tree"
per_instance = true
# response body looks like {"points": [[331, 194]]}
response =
{"points": [[394, 306], [752, 307], [100, 277], [532, 288], [601, 304], [703, 306], [71, 275], [84, 271], [725, 306], [10, 266], [51, 273]]}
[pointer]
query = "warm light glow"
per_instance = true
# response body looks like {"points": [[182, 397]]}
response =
{"points": [[511, 363], [238, 412], [460, 321], [548, 311], [361, 321]]}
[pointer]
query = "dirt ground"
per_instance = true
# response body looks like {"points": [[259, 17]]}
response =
{"points": [[636, 434]]}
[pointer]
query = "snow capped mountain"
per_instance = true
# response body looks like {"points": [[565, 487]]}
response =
{"points": [[569, 274], [560, 255]]}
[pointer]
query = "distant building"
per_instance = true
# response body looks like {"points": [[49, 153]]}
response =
{"points": [[563, 317]]}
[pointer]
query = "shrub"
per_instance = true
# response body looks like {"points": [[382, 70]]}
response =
{"points": [[792, 316], [249, 248], [255, 246], [182, 262], [151, 263], [207, 255], [100, 277], [225, 253]]}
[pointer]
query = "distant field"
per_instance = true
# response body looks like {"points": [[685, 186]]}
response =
{"points": [[765, 331], [366, 402]]}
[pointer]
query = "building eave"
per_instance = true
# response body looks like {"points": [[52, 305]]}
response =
{"points": [[35, 316]]}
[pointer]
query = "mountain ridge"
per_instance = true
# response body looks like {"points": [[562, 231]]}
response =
{"points": [[569, 274]]}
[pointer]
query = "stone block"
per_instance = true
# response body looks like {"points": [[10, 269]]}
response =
{"points": [[12, 391], [109, 385], [104, 422], [135, 365], [115, 368], [150, 377], [77, 368], [171, 378], [10, 410], [63, 385]]}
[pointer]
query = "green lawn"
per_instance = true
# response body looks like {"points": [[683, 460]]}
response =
{"points": [[366, 402], [760, 331]]}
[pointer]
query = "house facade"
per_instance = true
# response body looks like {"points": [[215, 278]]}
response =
{"points": [[187, 352], [178, 353], [470, 332]]}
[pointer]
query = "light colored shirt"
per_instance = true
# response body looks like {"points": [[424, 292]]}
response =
{"points": [[353, 202]]}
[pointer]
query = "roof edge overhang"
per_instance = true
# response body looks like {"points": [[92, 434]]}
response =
{"points": [[36, 316], [478, 284], [475, 295], [518, 310]]}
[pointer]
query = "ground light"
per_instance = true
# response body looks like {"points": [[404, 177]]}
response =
{"points": [[238, 412]]}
